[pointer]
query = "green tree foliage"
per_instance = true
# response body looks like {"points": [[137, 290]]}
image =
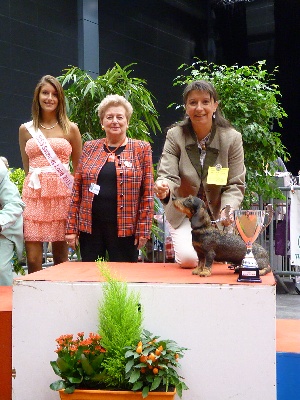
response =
{"points": [[17, 176], [83, 95], [249, 99]]}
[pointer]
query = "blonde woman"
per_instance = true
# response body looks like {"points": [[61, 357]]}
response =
{"points": [[112, 200], [45, 192]]}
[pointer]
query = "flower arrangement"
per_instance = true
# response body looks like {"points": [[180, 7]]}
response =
{"points": [[151, 365], [123, 356], [79, 362]]}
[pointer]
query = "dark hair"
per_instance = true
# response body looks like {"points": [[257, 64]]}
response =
{"points": [[204, 86]]}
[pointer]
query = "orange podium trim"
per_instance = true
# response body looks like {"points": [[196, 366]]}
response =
{"points": [[140, 273], [6, 342]]}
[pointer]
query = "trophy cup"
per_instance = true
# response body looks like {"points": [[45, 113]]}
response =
{"points": [[249, 224]]}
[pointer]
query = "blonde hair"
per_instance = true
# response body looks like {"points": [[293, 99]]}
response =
{"points": [[114, 100], [61, 112]]}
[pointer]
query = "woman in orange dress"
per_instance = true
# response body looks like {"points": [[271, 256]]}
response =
{"points": [[44, 193]]}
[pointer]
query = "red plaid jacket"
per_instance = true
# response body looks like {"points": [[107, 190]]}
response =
{"points": [[135, 204]]}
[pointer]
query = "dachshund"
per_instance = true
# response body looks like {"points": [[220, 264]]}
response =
{"points": [[211, 244]]}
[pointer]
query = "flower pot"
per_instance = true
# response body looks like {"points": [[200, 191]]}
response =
{"points": [[85, 394]]}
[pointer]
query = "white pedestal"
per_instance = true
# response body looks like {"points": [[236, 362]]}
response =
{"points": [[229, 329]]}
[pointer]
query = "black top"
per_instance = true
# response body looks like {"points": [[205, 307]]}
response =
{"points": [[104, 206]]}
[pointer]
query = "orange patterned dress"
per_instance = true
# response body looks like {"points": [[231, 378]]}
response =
{"points": [[46, 208]]}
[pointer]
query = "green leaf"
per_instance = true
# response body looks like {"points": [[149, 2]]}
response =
{"points": [[88, 369], [129, 365], [55, 368], [129, 353], [137, 386], [99, 377], [63, 365], [70, 389], [134, 376], [75, 379], [58, 385], [97, 361], [145, 391], [156, 383]]}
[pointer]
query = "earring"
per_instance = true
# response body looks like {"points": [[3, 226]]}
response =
{"points": [[214, 115]]}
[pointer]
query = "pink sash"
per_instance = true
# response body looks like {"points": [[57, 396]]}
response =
{"points": [[50, 155]]}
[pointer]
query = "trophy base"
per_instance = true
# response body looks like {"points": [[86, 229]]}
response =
{"points": [[247, 274]]}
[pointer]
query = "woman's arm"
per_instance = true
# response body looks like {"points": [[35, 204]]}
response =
{"points": [[76, 143], [146, 204], [24, 135]]}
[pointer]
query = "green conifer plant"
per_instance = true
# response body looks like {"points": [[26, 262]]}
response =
{"points": [[120, 325]]}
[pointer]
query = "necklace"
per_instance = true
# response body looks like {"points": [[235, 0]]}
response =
{"points": [[51, 127], [112, 156]]}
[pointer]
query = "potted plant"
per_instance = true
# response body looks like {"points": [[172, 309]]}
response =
{"points": [[84, 93], [122, 360], [152, 364], [79, 362]]}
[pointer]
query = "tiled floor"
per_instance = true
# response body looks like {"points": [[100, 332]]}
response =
{"points": [[287, 304]]}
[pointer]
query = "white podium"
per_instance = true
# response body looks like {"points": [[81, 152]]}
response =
{"points": [[229, 327]]}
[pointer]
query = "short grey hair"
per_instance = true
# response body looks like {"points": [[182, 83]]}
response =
{"points": [[114, 100]]}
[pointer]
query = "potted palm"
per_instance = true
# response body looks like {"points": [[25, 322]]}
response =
{"points": [[122, 360], [84, 93]]}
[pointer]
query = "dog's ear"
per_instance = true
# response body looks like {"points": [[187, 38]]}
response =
{"points": [[198, 220], [197, 203]]}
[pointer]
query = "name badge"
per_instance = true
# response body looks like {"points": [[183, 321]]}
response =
{"points": [[217, 175], [94, 188]]}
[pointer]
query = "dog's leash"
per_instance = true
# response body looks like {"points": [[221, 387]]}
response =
{"points": [[226, 218]]}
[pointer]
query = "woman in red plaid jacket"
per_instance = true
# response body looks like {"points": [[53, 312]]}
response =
{"points": [[112, 202]]}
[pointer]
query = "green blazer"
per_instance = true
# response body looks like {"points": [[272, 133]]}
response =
{"points": [[180, 166], [11, 210]]}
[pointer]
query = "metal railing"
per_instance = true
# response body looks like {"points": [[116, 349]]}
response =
{"points": [[281, 264]]}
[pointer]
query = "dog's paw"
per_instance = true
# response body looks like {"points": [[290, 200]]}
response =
{"points": [[197, 271], [264, 271], [202, 271], [205, 272]]}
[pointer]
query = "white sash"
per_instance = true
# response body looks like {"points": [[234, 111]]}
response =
{"points": [[50, 155]]}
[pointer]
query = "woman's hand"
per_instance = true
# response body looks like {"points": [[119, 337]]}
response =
{"points": [[140, 242], [161, 189], [228, 215], [72, 240]]}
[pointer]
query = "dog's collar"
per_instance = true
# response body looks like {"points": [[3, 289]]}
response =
{"points": [[218, 220]]}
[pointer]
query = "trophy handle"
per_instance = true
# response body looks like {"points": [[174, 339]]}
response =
{"points": [[269, 212]]}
